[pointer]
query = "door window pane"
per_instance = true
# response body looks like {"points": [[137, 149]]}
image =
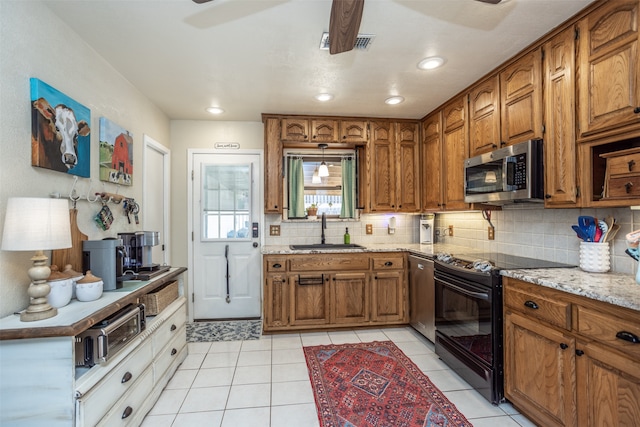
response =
{"points": [[226, 194]]}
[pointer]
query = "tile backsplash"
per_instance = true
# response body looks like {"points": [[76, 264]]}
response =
{"points": [[524, 231]]}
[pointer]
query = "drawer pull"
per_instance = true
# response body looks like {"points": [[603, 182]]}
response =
{"points": [[531, 304], [277, 265], [628, 336], [173, 327], [173, 351], [388, 264], [628, 186], [631, 164], [128, 411], [563, 346], [636, 110], [579, 353], [126, 377]]}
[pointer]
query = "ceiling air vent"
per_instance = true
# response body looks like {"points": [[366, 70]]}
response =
{"points": [[363, 41]]}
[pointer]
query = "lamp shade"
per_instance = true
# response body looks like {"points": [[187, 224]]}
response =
{"points": [[323, 171], [33, 224]]}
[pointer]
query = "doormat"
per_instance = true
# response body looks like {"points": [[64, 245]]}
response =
{"points": [[224, 330], [375, 384]]}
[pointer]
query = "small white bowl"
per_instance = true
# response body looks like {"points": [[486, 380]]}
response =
{"points": [[60, 293], [89, 291]]}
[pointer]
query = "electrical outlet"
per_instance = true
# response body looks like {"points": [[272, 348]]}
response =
{"points": [[369, 228], [492, 233], [274, 230], [451, 230]]}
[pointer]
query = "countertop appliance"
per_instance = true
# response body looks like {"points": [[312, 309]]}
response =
{"points": [[468, 316], [105, 259], [422, 296], [508, 175], [427, 223]]}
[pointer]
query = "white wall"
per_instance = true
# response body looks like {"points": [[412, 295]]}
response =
{"points": [[35, 43]]}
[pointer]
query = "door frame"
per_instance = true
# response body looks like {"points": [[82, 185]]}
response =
{"points": [[191, 152], [152, 144]]}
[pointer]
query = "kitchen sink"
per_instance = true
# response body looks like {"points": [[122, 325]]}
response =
{"points": [[320, 246]]}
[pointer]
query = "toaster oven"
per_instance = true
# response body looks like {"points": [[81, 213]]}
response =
{"points": [[104, 340]]}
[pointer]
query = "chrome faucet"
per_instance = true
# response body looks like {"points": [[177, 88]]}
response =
{"points": [[324, 226]]}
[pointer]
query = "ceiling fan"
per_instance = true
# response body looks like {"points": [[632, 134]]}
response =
{"points": [[344, 23]]}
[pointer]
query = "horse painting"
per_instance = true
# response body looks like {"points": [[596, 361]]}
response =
{"points": [[60, 134]]}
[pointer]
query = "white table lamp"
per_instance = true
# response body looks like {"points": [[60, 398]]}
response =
{"points": [[37, 224]]}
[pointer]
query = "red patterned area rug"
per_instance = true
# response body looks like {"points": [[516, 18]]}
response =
{"points": [[375, 384]]}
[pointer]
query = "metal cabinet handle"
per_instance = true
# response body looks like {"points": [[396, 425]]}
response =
{"points": [[563, 346], [173, 351], [628, 186], [631, 164], [628, 336], [277, 265], [547, 196], [531, 304], [173, 327], [388, 264], [127, 411], [126, 377], [579, 352], [636, 110]]}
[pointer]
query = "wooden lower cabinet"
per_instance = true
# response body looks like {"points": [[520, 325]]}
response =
{"points": [[565, 362], [335, 290]]}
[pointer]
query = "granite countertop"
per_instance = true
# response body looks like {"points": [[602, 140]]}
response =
{"points": [[427, 250], [614, 288]]}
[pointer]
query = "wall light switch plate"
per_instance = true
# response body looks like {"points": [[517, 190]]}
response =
{"points": [[274, 230], [492, 233], [451, 230], [369, 228]]}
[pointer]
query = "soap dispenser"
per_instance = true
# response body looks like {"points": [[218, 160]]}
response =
{"points": [[347, 237]]}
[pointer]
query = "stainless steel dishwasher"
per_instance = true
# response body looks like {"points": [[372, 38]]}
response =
{"points": [[422, 296]]}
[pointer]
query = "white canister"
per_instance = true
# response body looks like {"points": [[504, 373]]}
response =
{"points": [[595, 257], [74, 275], [61, 288], [90, 288]]}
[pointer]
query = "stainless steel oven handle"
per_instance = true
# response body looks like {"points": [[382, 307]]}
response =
{"points": [[480, 295]]}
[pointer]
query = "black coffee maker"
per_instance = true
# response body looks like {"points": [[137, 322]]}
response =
{"points": [[137, 250]]}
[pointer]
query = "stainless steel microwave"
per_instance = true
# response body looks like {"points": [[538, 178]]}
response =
{"points": [[508, 175]]}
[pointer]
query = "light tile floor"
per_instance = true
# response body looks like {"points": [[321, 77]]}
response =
{"points": [[265, 383]]}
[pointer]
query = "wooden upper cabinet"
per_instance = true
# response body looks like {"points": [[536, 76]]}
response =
{"points": [[273, 178], [484, 117], [408, 168], [609, 70], [432, 162], [560, 159], [521, 99], [454, 153], [294, 129], [382, 178], [324, 130], [354, 131]]}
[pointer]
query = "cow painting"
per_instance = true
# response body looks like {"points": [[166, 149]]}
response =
{"points": [[59, 131]]}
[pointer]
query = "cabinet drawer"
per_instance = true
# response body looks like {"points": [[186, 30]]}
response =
{"points": [[331, 262], [126, 411], [393, 262], [170, 353], [539, 303], [92, 406], [608, 329], [623, 187], [276, 265], [623, 162], [170, 328]]}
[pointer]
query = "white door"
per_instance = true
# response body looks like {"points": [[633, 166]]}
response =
{"points": [[155, 196], [227, 262]]}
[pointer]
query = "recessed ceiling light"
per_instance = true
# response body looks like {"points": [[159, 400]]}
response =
{"points": [[323, 97], [430, 63], [215, 110], [394, 100]]}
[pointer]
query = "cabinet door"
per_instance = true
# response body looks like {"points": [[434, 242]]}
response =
{"points": [[273, 179], [454, 153], [609, 68], [408, 173], [324, 130], [382, 178], [354, 131], [276, 301], [349, 298], [294, 129], [309, 299], [608, 387], [432, 162], [388, 296], [521, 99], [484, 117], [539, 370], [559, 139]]}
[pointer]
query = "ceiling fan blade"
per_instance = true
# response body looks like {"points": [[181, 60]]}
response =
{"points": [[201, 1], [344, 24], [486, 1]]}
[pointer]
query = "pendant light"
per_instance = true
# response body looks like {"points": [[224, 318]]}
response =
{"points": [[323, 171], [315, 179]]}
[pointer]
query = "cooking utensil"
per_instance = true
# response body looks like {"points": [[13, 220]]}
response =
{"points": [[604, 228], [581, 234], [588, 226], [612, 232]]}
